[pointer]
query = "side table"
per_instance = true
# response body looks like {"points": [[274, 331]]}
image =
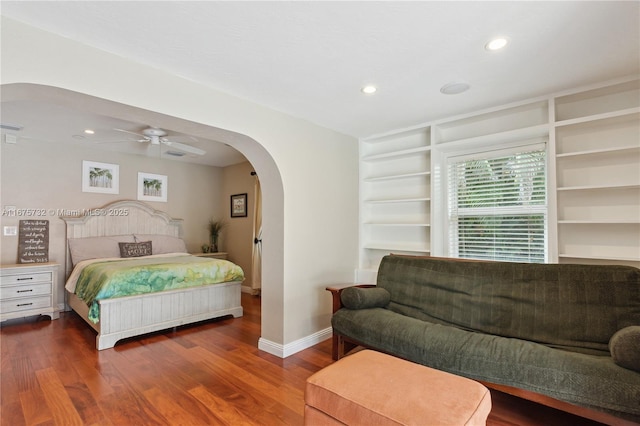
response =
{"points": [[217, 255], [28, 289]]}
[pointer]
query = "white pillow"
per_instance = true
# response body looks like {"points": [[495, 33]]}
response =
{"points": [[96, 247], [163, 243]]}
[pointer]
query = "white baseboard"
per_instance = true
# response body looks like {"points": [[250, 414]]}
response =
{"points": [[247, 289], [283, 351]]}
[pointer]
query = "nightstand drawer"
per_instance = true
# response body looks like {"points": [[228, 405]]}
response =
{"points": [[28, 289], [10, 292], [35, 277], [25, 304]]}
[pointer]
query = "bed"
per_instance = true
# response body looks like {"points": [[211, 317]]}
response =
{"points": [[94, 239]]}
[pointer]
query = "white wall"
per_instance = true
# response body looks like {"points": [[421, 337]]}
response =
{"points": [[309, 173]]}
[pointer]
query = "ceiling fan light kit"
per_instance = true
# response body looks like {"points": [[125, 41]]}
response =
{"points": [[154, 134]]}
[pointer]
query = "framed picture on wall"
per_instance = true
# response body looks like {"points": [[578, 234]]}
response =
{"points": [[100, 177], [239, 205], [152, 187]]}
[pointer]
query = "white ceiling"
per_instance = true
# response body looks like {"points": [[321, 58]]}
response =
{"points": [[53, 123], [310, 59]]}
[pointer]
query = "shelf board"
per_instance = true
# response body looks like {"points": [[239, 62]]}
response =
{"points": [[397, 224], [396, 154], [397, 247], [419, 130], [590, 187], [595, 117], [598, 151], [601, 222], [398, 200], [540, 130], [590, 256], [394, 177]]}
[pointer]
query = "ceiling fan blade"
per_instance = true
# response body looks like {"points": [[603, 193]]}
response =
{"points": [[184, 147], [119, 141], [131, 133], [186, 138]]}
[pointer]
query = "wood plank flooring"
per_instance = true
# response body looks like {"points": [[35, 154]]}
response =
{"points": [[208, 374]]}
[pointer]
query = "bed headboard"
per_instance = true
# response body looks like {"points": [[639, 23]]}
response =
{"points": [[119, 218]]}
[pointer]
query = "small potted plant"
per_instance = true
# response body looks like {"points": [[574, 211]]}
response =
{"points": [[215, 228]]}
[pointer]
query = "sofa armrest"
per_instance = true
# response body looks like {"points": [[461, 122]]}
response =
{"points": [[625, 347], [339, 345], [336, 290]]}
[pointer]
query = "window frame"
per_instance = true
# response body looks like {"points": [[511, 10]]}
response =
{"points": [[450, 242]]}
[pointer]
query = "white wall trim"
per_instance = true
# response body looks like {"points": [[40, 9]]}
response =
{"points": [[249, 290], [283, 351]]}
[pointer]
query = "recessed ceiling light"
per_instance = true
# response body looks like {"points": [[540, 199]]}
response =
{"points": [[89, 132], [496, 44], [454, 88], [369, 89]]}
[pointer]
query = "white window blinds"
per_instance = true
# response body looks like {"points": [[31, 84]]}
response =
{"points": [[498, 205]]}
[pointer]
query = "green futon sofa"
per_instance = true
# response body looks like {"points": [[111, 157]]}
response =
{"points": [[567, 336]]}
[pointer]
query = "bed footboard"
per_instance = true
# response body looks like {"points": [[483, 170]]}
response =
{"points": [[135, 315]]}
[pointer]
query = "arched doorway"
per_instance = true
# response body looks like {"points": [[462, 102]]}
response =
{"points": [[253, 151]]}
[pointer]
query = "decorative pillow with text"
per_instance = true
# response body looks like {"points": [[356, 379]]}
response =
{"points": [[135, 249]]}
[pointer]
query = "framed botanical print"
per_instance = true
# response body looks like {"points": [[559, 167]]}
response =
{"points": [[152, 187], [100, 177], [239, 205]]}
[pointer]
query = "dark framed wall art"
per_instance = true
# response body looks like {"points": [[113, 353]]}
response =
{"points": [[239, 205]]}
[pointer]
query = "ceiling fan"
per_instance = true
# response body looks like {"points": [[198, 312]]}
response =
{"points": [[156, 136]]}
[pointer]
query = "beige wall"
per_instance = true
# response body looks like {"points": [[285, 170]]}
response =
{"points": [[237, 237], [43, 175]]}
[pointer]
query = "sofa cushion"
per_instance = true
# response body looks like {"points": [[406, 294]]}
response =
{"points": [[576, 307], [363, 298], [625, 348], [371, 388], [587, 380]]}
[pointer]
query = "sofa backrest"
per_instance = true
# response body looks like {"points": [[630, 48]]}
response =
{"points": [[576, 307]]}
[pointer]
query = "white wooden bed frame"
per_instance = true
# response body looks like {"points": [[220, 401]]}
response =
{"points": [[135, 315]]}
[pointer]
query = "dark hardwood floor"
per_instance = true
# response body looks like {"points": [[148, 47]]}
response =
{"points": [[206, 374]]}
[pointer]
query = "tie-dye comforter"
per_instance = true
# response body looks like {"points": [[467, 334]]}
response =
{"points": [[97, 279]]}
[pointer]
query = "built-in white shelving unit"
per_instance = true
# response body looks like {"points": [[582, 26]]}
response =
{"points": [[593, 141], [395, 195], [598, 174]]}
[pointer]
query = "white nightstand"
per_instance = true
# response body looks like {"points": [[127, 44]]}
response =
{"points": [[217, 255], [28, 289]]}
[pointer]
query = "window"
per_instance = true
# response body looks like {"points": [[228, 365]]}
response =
{"points": [[498, 205]]}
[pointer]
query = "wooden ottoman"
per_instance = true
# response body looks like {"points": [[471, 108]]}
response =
{"points": [[371, 388]]}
